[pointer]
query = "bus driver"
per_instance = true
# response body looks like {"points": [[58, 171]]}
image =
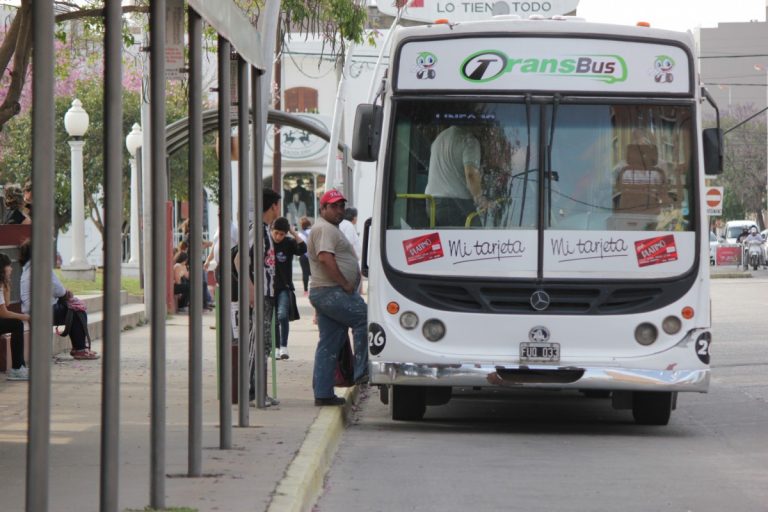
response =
{"points": [[454, 179]]}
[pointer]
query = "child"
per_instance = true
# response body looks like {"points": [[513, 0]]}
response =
{"points": [[285, 249]]}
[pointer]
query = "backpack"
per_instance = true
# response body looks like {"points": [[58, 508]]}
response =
{"points": [[75, 313]]}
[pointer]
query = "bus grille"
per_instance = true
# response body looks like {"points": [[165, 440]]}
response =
{"points": [[573, 299]]}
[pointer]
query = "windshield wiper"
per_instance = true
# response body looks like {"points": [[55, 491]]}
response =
{"points": [[527, 155], [548, 174]]}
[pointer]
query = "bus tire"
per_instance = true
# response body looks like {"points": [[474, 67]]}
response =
{"points": [[407, 403], [651, 407]]}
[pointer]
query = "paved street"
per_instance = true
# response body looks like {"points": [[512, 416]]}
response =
{"points": [[550, 451]]}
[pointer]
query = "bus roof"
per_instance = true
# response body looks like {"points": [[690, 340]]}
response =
{"points": [[503, 55], [562, 26]]}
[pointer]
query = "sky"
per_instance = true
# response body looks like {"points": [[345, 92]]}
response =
{"points": [[672, 14]]}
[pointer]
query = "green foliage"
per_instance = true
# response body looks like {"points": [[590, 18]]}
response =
{"points": [[15, 159]]}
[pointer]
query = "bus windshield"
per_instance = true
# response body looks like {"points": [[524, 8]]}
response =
{"points": [[587, 167]]}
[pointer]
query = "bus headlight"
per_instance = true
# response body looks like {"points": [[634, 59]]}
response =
{"points": [[646, 333], [433, 329], [409, 320], [671, 325]]}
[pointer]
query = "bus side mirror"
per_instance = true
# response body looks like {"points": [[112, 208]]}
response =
{"points": [[713, 151], [367, 130]]}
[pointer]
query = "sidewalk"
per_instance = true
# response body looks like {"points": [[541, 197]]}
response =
{"points": [[244, 478]]}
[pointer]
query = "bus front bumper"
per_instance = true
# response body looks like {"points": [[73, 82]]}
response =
{"points": [[552, 377]]}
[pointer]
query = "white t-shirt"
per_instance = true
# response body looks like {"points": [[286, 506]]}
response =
{"points": [[234, 234], [349, 231], [452, 149]]}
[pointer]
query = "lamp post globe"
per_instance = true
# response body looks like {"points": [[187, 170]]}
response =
{"points": [[76, 119], [134, 140]]}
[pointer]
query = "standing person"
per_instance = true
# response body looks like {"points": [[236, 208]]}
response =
{"points": [[215, 254], [27, 196], [14, 205], [454, 179], [296, 209], [77, 333], [270, 211], [348, 226], [13, 323], [334, 295], [285, 249], [207, 299], [306, 225]]}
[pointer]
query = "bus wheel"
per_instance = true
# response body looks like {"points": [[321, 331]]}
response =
{"points": [[652, 408], [407, 403]]}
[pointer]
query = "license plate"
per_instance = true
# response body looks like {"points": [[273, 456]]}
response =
{"points": [[532, 352]]}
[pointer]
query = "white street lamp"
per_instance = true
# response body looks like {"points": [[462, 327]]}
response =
{"points": [[76, 124], [133, 142]]}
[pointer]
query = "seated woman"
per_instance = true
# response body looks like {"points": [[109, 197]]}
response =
{"points": [[13, 323], [14, 204], [77, 332], [181, 279]]}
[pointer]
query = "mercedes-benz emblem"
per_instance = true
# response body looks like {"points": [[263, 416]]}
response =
{"points": [[540, 300], [538, 334]]}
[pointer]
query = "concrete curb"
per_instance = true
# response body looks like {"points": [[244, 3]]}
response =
{"points": [[730, 275], [304, 477]]}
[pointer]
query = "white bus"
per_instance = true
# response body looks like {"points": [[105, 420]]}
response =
{"points": [[581, 261]]}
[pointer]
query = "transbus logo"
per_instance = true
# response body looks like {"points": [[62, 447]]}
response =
{"points": [[488, 65]]}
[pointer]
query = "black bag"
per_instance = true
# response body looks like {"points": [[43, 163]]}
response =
{"points": [[345, 366], [293, 308], [74, 316]]}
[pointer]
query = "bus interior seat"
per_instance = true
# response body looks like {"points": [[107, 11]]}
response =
{"points": [[641, 186]]}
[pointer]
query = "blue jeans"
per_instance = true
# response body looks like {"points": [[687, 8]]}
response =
{"points": [[337, 312], [283, 303]]}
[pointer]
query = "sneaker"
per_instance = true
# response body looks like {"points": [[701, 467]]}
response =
{"points": [[334, 400], [268, 402], [21, 373], [84, 354], [306, 293], [283, 353]]}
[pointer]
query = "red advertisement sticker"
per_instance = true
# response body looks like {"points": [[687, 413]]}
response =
{"points": [[653, 251], [423, 248]]}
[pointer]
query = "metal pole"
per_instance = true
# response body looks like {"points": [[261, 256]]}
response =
{"points": [[43, 171], [259, 130], [244, 282], [113, 220], [225, 244], [159, 263], [195, 443]]}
